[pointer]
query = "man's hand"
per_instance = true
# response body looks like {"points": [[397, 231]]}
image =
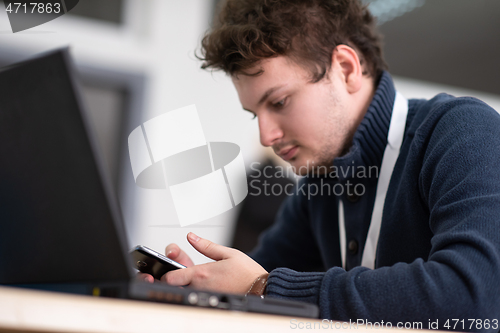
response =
{"points": [[233, 271], [173, 252]]}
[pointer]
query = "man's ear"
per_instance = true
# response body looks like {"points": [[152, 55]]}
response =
{"points": [[347, 63]]}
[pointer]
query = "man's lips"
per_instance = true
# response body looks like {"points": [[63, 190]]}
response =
{"points": [[288, 153]]}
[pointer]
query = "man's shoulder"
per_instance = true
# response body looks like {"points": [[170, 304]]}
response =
{"points": [[447, 111]]}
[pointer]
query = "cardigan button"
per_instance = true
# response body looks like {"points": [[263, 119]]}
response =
{"points": [[353, 197], [353, 247]]}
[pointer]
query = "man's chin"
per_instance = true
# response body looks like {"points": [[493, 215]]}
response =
{"points": [[308, 167], [300, 167]]}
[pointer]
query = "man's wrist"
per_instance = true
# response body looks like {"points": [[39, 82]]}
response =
{"points": [[258, 287]]}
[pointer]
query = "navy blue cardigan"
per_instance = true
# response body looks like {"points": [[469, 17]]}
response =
{"points": [[438, 255]]}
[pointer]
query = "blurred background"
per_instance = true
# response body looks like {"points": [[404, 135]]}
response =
{"points": [[136, 60]]}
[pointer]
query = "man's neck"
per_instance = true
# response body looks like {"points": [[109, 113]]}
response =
{"points": [[364, 98]]}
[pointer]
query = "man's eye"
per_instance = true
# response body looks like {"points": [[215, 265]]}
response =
{"points": [[280, 104]]}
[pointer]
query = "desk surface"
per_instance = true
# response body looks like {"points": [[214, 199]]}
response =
{"points": [[39, 311]]}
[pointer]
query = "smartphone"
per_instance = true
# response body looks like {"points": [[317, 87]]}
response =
{"points": [[152, 262]]}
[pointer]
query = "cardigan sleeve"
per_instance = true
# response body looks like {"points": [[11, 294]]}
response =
{"points": [[460, 279], [289, 242]]}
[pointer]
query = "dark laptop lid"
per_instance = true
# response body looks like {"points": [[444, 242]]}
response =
{"points": [[59, 220]]}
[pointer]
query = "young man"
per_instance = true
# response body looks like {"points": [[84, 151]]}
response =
{"points": [[398, 217]]}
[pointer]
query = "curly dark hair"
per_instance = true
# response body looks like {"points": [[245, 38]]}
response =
{"points": [[306, 31]]}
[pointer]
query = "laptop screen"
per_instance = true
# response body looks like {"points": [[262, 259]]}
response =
{"points": [[58, 219]]}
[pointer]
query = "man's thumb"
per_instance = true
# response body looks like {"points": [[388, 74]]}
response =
{"points": [[207, 248]]}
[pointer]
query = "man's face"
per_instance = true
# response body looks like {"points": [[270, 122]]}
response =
{"points": [[307, 124]]}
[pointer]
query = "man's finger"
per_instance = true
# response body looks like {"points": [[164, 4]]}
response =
{"points": [[179, 277], [145, 277], [208, 248], [174, 252]]}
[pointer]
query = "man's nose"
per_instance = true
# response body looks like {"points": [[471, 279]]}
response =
{"points": [[270, 131]]}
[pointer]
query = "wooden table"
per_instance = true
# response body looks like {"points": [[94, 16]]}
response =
{"points": [[23, 310]]}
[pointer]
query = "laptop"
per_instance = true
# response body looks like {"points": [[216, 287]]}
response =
{"points": [[60, 224]]}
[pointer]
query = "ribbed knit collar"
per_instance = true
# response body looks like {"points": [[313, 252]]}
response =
{"points": [[370, 139]]}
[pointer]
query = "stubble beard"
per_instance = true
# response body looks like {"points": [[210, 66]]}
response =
{"points": [[338, 135]]}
